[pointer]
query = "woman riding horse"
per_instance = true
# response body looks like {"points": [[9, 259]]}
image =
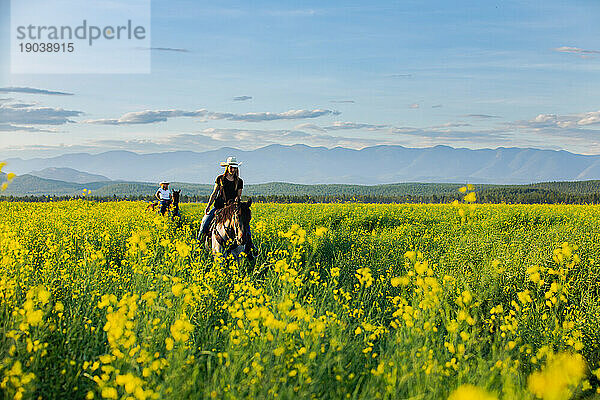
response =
{"points": [[228, 187], [164, 195]]}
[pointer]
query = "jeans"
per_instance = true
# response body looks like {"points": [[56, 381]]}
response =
{"points": [[206, 220], [164, 206]]}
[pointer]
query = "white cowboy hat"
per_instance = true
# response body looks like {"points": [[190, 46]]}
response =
{"points": [[163, 183], [230, 161]]}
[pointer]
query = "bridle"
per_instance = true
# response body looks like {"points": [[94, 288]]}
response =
{"points": [[234, 236]]}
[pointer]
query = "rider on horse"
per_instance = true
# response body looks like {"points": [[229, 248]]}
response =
{"points": [[228, 187], [164, 195]]}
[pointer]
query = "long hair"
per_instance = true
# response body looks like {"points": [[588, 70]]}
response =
{"points": [[236, 176]]}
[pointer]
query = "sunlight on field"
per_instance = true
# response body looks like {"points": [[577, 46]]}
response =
{"points": [[106, 300]]}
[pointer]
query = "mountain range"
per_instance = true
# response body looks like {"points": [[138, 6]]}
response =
{"points": [[310, 165], [68, 175]]}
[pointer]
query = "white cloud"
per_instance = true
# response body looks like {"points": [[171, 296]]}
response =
{"points": [[28, 90], [31, 114], [153, 116]]}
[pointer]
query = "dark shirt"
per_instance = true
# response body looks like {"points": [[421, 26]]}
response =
{"points": [[228, 190]]}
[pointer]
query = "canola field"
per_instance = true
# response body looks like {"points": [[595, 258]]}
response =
{"points": [[346, 301]]}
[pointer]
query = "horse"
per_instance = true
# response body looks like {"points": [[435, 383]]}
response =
{"points": [[175, 204], [229, 230], [173, 207]]}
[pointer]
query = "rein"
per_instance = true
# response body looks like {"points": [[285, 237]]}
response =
{"points": [[229, 234]]}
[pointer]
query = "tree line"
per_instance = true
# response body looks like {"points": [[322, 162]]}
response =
{"points": [[523, 195]]}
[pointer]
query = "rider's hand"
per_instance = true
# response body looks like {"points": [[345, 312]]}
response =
{"points": [[207, 210]]}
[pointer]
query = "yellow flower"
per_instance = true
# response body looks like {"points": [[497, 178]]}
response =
{"points": [[320, 231], [470, 392], [471, 197], [10, 176], [177, 289], [35, 317], [43, 295], [110, 393], [463, 189], [169, 343], [560, 373]]}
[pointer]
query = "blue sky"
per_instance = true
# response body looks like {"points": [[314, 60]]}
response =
{"points": [[354, 74]]}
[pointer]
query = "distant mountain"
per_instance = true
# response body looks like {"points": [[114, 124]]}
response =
{"points": [[309, 165], [68, 175], [23, 185]]}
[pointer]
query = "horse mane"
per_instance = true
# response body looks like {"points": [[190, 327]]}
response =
{"points": [[227, 212]]}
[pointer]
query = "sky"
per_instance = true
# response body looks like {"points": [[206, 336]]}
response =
{"points": [[247, 74]]}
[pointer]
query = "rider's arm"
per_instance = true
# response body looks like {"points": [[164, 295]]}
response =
{"points": [[212, 197], [157, 195], [240, 185]]}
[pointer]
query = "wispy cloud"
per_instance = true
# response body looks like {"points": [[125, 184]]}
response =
{"points": [[146, 117], [449, 125], [437, 106], [399, 75], [339, 125], [480, 116], [153, 116], [342, 101], [20, 128], [242, 98], [173, 49], [312, 127], [575, 50], [414, 105], [29, 90], [31, 114]]}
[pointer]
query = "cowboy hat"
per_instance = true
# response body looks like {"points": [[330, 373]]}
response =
{"points": [[164, 183], [230, 161]]}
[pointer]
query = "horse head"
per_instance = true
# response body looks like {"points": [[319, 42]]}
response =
{"points": [[176, 194], [241, 220]]}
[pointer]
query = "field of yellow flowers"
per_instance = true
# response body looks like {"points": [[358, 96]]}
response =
{"points": [[458, 301]]}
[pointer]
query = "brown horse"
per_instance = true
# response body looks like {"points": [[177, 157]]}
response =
{"points": [[173, 207], [229, 230]]}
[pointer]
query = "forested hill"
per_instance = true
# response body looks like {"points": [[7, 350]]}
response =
{"points": [[548, 192]]}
